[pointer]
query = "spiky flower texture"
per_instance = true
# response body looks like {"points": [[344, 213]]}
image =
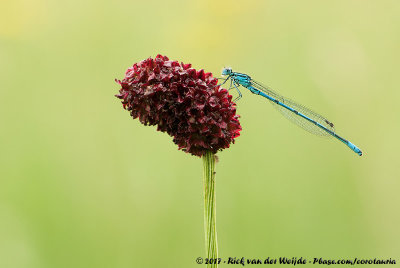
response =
{"points": [[181, 101]]}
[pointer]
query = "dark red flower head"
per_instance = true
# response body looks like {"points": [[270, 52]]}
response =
{"points": [[185, 103]]}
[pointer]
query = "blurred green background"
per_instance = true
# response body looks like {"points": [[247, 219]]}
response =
{"points": [[83, 185]]}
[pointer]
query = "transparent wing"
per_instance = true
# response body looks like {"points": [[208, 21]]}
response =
{"points": [[298, 120]]}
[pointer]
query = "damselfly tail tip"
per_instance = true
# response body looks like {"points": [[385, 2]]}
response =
{"points": [[354, 148]]}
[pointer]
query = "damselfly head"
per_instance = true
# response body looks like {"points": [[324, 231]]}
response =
{"points": [[227, 71]]}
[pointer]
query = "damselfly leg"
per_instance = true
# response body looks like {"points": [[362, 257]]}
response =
{"points": [[225, 80]]}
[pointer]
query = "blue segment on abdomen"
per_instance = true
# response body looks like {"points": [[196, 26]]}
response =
{"points": [[354, 148]]}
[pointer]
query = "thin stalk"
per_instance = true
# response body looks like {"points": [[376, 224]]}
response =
{"points": [[210, 227]]}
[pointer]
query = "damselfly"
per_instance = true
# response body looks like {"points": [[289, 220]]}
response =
{"points": [[300, 115]]}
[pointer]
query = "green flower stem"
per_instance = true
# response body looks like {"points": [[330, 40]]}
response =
{"points": [[210, 228]]}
